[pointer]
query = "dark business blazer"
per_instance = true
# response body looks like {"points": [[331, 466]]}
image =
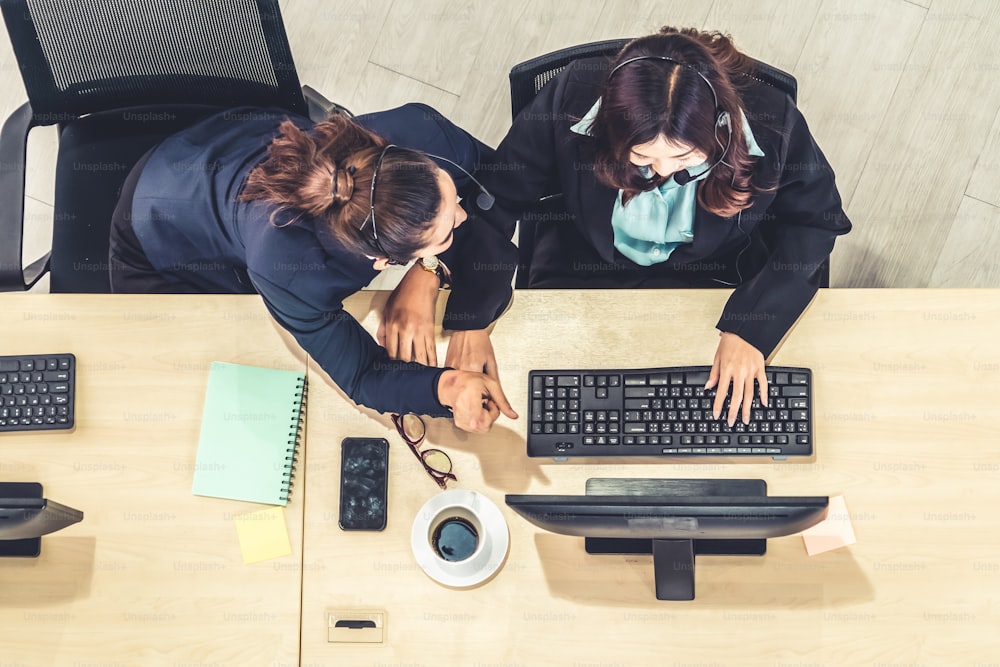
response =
{"points": [[773, 249], [192, 227]]}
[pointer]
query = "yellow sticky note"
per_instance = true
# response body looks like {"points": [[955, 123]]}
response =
{"points": [[263, 535], [833, 532]]}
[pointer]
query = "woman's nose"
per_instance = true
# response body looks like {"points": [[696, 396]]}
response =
{"points": [[664, 168]]}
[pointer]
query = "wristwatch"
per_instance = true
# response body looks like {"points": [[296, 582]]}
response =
{"points": [[433, 265]]}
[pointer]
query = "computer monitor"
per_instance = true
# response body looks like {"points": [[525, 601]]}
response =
{"points": [[25, 516], [673, 519]]}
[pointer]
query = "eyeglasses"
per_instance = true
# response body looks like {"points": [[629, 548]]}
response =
{"points": [[437, 464], [371, 208]]}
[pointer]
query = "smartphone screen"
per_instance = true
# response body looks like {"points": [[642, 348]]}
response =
{"points": [[364, 469]]}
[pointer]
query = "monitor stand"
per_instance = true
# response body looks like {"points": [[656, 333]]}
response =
{"points": [[32, 546], [673, 559]]}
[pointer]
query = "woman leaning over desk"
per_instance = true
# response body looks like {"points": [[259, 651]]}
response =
{"points": [[258, 200], [677, 169]]}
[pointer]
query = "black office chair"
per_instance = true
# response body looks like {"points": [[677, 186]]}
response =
{"points": [[527, 78], [117, 78]]}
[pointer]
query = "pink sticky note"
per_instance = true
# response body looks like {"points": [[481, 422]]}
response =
{"points": [[833, 532]]}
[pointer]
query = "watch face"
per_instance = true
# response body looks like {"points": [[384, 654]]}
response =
{"points": [[430, 263]]}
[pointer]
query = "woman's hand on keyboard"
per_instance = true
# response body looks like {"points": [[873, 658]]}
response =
{"points": [[476, 400], [736, 363]]}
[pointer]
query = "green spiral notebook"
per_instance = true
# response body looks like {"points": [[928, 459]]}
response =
{"points": [[250, 430]]}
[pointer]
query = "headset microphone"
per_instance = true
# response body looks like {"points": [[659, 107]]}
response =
{"points": [[485, 200], [682, 177]]}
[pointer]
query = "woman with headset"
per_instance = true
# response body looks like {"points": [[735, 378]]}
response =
{"points": [[305, 214], [677, 168]]}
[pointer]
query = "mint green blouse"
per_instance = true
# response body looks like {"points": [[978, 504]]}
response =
{"points": [[654, 223]]}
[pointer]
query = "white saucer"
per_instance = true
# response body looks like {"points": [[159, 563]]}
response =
{"points": [[489, 555]]}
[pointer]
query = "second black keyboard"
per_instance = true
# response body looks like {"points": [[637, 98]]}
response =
{"points": [[37, 392], [664, 412]]}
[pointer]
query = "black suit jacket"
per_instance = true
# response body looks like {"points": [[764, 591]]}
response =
{"points": [[773, 249]]}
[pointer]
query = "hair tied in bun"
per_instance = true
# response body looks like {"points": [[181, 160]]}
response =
{"points": [[343, 185]]}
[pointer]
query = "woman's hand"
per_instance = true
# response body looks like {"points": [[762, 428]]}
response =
{"points": [[407, 327], [739, 363], [472, 351], [476, 400]]}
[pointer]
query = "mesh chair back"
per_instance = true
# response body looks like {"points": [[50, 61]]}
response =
{"points": [[527, 78], [775, 78], [83, 56]]}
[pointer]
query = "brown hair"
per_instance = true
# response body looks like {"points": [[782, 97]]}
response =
{"points": [[327, 174], [651, 97]]}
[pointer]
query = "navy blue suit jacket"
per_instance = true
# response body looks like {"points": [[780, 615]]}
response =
{"points": [[188, 218]]}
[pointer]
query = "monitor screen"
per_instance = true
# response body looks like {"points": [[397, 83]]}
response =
{"points": [[673, 520]]}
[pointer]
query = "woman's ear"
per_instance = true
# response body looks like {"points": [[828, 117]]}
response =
{"points": [[380, 263]]}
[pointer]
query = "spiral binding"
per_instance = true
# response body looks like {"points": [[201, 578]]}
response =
{"points": [[294, 438]]}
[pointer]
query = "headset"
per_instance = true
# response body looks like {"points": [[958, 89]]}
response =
{"points": [[722, 119], [684, 176]]}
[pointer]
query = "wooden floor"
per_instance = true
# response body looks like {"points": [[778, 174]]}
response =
{"points": [[902, 96]]}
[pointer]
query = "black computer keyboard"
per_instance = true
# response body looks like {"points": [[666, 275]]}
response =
{"points": [[37, 392], [663, 412]]}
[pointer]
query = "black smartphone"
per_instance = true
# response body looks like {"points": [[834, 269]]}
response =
{"points": [[364, 481]]}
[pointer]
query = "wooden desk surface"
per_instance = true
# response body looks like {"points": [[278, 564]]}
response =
{"points": [[906, 417], [153, 575]]}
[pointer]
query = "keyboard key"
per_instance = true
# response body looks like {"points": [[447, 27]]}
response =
{"points": [[699, 378]]}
